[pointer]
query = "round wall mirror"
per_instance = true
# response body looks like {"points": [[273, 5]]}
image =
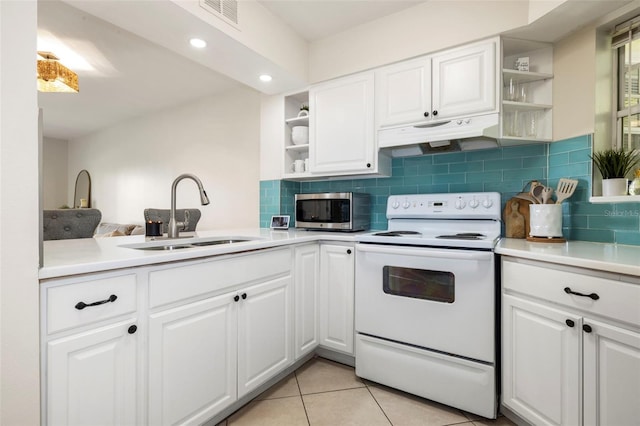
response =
{"points": [[82, 194]]}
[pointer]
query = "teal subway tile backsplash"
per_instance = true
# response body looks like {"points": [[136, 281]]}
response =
{"points": [[505, 170]]}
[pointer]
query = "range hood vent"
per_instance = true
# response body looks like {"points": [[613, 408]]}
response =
{"points": [[466, 134], [227, 10]]}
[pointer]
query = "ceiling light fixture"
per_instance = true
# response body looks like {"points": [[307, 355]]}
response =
{"points": [[266, 77], [198, 43], [55, 77]]}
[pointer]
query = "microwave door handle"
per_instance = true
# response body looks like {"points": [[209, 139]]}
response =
{"points": [[426, 252]]}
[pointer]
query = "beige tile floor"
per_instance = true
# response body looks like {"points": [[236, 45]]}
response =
{"points": [[325, 393]]}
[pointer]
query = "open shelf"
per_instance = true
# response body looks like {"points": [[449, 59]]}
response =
{"points": [[509, 106], [616, 199], [298, 121], [302, 147], [525, 76]]}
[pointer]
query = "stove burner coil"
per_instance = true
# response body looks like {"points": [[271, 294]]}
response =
{"points": [[396, 233], [463, 236]]}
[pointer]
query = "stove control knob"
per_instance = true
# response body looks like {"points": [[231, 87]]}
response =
{"points": [[395, 204], [487, 203], [406, 204], [460, 204], [474, 203]]}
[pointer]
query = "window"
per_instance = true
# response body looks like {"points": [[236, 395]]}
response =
{"points": [[626, 45]]}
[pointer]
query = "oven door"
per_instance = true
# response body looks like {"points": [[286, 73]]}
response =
{"points": [[439, 299]]}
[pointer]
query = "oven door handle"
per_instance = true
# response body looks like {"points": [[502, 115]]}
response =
{"points": [[427, 252]]}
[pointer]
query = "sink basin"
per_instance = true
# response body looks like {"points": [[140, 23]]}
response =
{"points": [[168, 245]]}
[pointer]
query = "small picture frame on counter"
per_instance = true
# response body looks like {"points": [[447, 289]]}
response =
{"points": [[279, 222]]}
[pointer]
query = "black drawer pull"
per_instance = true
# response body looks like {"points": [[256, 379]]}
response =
{"points": [[132, 329], [570, 323], [593, 296], [236, 298], [82, 305], [244, 296], [587, 328]]}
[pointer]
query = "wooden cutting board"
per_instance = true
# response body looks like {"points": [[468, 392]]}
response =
{"points": [[516, 218]]}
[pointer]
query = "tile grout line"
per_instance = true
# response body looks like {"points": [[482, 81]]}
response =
{"points": [[377, 403], [304, 407]]}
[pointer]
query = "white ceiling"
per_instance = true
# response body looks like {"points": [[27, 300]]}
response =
{"points": [[317, 19], [123, 75]]}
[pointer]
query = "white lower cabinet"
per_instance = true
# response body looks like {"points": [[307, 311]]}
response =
{"points": [[265, 333], [541, 368], [192, 361], [91, 377], [306, 286], [207, 354], [570, 345], [611, 375], [337, 267]]}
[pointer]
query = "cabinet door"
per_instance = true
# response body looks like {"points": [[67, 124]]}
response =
{"points": [[307, 275], [337, 264], [540, 362], [264, 332], [192, 361], [611, 375], [403, 93], [464, 81], [341, 136], [91, 377]]}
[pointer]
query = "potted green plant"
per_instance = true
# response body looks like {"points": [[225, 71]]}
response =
{"points": [[614, 166]]}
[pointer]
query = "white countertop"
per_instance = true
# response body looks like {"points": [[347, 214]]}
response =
{"points": [[86, 255], [71, 257], [617, 258]]}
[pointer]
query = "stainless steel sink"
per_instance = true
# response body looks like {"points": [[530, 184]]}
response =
{"points": [[168, 245]]}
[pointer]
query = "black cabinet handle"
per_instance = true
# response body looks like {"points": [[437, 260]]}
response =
{"points": [[435, 112], [368, 165], [570, 323], [426, 113], [587, 328], [132, 329], [236, 298], [348, 251], [81, 305], [244, 296], [593, 296]]}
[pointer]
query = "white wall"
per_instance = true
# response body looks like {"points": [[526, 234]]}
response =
{"points": [[425, 28], [133, 164], [55, 185], [19, 223]]}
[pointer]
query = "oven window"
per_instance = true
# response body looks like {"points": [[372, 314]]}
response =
{"points": [[419, 283]]}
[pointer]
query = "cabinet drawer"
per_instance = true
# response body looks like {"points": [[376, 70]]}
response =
{"points": [[64, 311], [181, 282], [615, 299]]}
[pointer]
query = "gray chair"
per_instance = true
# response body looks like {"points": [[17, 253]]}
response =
{"points": [[163, 216], [64, 224]]}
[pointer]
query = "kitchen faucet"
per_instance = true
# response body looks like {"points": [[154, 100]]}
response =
{"points": [[173, 231]]}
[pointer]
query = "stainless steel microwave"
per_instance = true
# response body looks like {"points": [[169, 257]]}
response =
{"points": [[333, 211]]}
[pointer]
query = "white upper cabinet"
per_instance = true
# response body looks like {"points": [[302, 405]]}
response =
{"points": [[454, 83], [403, 92], [341, 133], [464, 81]]}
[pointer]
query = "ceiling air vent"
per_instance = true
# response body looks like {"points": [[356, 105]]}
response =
{"points": [[227, 10]]}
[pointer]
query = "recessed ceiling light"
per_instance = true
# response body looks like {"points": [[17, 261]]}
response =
{"points": [[199, 43], [266, 77]]}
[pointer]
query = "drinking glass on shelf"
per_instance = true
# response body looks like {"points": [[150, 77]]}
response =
{"points": [[523, 93], [511, 90], [531, 123], [512, 124]]}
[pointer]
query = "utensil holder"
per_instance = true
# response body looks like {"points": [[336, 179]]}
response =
{"points": [[545, 220]]}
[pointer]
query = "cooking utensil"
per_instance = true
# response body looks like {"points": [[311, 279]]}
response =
{"points": [[547, 192], [536, 191], [566, 188]]}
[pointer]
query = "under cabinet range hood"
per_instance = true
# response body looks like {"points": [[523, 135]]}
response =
{"points": [[461, 134]]}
